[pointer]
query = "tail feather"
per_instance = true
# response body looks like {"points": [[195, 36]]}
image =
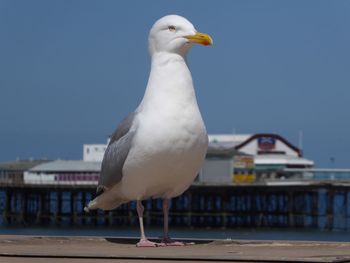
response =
{"points": [[92, 205], [103, 204]]}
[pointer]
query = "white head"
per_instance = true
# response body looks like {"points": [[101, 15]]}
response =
{"points": [[175, 34]]}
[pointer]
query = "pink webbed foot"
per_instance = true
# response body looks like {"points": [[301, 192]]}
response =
{"points": [[147, 243], [170, 242]]}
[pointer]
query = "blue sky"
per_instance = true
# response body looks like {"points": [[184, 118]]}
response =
{"points": [[70, 71]]}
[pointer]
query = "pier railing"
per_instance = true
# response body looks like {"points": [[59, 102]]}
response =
{"points": [[89, 180]]}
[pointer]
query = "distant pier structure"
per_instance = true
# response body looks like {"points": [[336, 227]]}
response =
{"points": [[246, 181], [312, 204], [315, 205]]}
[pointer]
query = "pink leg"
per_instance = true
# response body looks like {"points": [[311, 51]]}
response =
{"points": [[144, 242], [166, 239]]}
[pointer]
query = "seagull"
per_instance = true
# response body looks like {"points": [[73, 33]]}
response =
{"points": [[157, 150]]}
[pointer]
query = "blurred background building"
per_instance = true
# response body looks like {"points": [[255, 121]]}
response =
{"points": [[239, 158], [231, 159]]}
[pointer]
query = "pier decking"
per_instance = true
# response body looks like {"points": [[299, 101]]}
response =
{"points": [[28, 249]]}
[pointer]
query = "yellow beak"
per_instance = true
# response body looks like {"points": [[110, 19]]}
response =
{"points": [[200, 38]]}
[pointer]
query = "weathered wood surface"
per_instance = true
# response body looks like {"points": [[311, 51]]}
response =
{"points": [[29, 249]]}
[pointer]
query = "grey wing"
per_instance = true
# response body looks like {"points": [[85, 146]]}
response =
{"points": [[123, 128], [116, 154]]}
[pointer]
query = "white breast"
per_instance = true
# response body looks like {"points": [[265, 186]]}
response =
{"points": [[171, 140]]}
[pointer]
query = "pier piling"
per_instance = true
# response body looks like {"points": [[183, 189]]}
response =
{"points": [[315, 206]]}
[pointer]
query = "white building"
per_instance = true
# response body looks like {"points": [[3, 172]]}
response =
{"points": [[268, 150], [63, 172], [238, 158], [270, 156], [93, 152]]}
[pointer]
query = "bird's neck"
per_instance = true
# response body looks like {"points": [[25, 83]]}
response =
{"points": [[163, 59], [170, 80]]}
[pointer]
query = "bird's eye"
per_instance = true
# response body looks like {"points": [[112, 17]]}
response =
{"points": [[172, 28]]}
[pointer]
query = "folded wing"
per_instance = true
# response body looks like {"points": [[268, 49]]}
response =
{"points": [[116, 154]]}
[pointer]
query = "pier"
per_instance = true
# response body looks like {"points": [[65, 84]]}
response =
{"points": [[319, 205], [28, 249]]}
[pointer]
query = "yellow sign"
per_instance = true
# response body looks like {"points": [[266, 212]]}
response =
{"points": [[243, 162], [243, 169], [244, 178]]}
